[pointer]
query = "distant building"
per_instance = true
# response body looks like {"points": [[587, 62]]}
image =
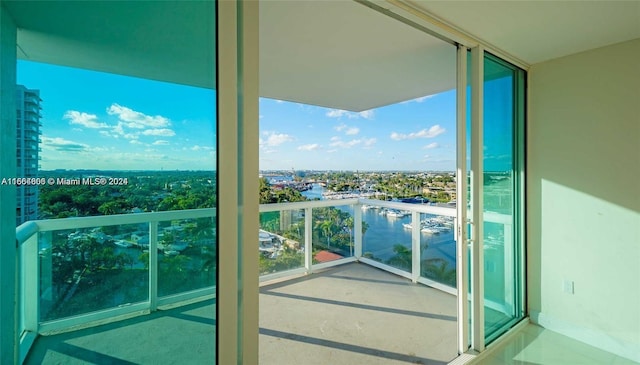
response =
{"points": [[27, 152]]}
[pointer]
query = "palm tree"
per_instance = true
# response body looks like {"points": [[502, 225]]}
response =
{"points": [[326, 226], [438, 270], [402, 258], [348, 225]]}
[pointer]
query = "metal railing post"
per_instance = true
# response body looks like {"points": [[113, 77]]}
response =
{"points": [[357, 230], [153, 266], [308, 237], [415, 246], [29, 276]]}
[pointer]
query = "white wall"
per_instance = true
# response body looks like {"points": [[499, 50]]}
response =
{"points": [[584, 196]]}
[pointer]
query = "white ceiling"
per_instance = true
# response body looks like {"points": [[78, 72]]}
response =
{"points": [[338, 54], [537, 31]]}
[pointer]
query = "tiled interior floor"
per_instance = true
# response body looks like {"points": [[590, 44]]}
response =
{"points": [[535, 345]]}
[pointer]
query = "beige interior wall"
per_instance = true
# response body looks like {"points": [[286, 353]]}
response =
{"points": [[584, 197]]}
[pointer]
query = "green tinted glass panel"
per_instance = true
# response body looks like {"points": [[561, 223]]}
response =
{"points": [[502, 196]]}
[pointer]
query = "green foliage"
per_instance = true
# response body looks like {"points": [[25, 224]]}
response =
{"points": [[435, 269], [402, 258], [286, 260], [269, 194], [155, 191], [438, 269], [333, 230]]}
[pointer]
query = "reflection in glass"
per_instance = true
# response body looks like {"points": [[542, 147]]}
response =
{"points": [[281, 241], [501, 161], [87, 270]]}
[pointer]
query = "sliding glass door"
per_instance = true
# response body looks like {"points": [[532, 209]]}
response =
{"points": [[502, 161], [492, 125]]}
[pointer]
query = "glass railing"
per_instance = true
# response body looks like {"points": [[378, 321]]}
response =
{"points": [[380, 233], [281, 240], [305, 236], [77, 271]]}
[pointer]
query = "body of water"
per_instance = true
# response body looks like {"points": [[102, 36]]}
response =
{"points": [[384, 232]]}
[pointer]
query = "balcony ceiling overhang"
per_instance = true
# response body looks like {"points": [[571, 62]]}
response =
{"points": [[338, 54]]}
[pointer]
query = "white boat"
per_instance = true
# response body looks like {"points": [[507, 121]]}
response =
{"points": [[123, 244], [266, 242], [429, 230], [407, 225], [394, 213]]}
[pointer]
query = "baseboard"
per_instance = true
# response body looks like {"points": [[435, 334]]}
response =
{"points": [[589, 336]]}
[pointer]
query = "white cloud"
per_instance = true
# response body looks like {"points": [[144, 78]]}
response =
{"points": [[336, 113], [309, 147], [135, 141], [339, 113], [418, 100], [163, 132], [367, 114], [160, 142], [368, 143], [337, 142], [431, 146], [352, 131], [64, 145], [135, 118], [274, 139], [84, 119], [201, 148], [434, 131], [61, 144]]}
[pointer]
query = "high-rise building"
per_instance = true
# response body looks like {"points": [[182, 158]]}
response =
{"points": [[27, 152]]}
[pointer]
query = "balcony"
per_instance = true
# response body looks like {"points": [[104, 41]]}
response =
{"points": [[379, 268]]}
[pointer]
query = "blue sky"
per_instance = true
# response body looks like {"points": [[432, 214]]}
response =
{"points": [[93, 120], [414, 135]]}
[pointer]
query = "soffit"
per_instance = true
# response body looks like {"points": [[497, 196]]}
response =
{"points": [[159, 40], [344, 55], [338, 54]]}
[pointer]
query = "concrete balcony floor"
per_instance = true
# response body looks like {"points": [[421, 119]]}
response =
{"points": [[349, 314], [356, 314]]}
